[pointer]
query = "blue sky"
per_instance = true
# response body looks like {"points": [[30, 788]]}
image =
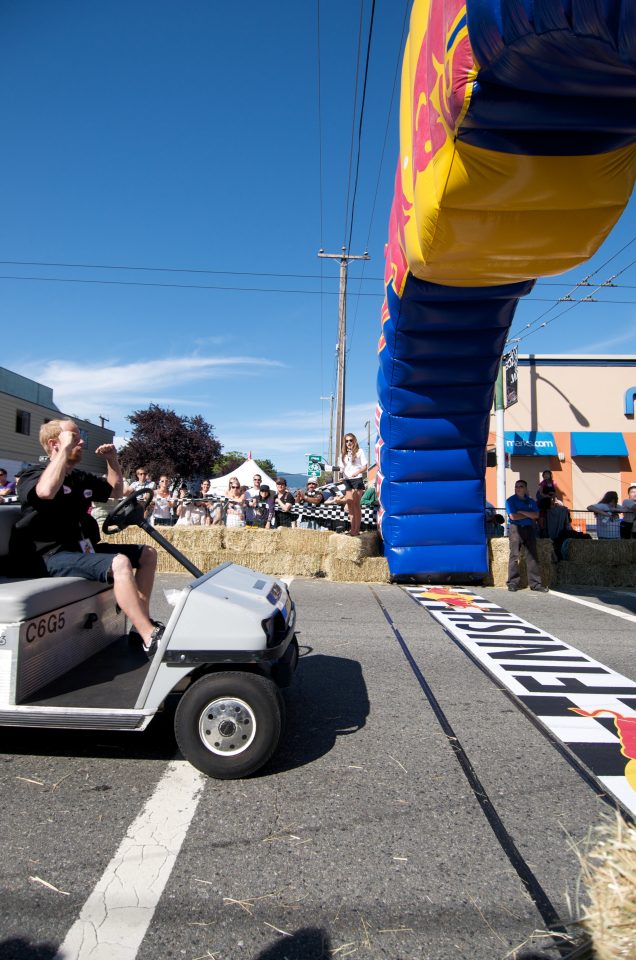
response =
{"points": [[184, 137]]}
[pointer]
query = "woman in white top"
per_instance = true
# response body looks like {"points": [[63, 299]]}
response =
{"points": [[607, 524], [235, 505], [162, 502], [353, 466]]}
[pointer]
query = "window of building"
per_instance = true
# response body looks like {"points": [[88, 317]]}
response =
{"points": [[23, 422]]}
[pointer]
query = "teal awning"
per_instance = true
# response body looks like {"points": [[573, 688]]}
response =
{"points": [[531, 443], [586, 444]]}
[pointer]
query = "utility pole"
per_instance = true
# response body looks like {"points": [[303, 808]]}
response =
{"points": [[344, 259], [331, 399], [103, 420], [500, 446]]}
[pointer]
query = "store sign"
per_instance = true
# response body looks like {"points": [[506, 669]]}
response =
{"points": [[530, 444], [630, 397], [510, 363]]}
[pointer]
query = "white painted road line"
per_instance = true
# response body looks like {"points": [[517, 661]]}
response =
{"points": [[118, 912], [595, 606]]}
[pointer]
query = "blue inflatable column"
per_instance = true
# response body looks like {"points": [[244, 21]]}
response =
{"points": [[437, 375]]}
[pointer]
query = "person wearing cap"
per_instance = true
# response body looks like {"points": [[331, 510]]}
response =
{"points": [[263, 508], [283, 504], [312, 496]]}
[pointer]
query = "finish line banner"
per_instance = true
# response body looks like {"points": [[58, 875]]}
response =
{"points": [[582, 703]]}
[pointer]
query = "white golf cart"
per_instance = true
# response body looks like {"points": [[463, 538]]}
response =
{"points": [[66, 660]]}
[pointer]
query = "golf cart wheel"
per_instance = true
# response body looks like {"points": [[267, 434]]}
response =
{"points": [[228, 724]]}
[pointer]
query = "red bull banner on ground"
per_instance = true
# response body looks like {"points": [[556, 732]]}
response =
{"points": [[517, 156], [585, 705]]}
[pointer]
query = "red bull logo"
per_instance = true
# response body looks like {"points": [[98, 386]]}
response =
{"points": [[451, 598], [626, 729], [438, 96]]}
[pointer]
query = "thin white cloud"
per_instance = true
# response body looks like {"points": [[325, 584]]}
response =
{"points": [[88, 389], [626, 337]]}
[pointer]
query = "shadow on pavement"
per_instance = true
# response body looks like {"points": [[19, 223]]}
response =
{"points": [[15, 948], [311, 943], [157, 742], [327, 699]]}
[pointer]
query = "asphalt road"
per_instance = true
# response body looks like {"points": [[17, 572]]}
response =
{"points": [[390, 823]]}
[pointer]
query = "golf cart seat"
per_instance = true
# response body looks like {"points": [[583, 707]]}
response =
{"points": [[22, 599], [48, 625]]}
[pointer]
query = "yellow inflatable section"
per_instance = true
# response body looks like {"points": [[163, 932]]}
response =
{"points": [[474, 216]]}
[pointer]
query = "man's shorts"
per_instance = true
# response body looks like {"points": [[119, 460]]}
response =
{"points": [[92, 566]]}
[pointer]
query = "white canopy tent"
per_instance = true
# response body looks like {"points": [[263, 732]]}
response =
{"points": [[245, 473]]}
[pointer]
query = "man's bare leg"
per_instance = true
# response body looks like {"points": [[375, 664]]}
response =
{"points": [[127, 596], [145, 577]]}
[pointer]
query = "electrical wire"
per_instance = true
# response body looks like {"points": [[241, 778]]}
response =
{"points": [[396, 72], [214, 286], [321, 200], [587, 299], [360, 124], [583, 282], [353, 125]]}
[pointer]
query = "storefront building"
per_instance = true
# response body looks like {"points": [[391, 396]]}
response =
{"points": [[575, 417]]}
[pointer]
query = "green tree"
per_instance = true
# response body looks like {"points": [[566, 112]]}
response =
{"points": [[267, 465], [228, 462], [164, 442]]}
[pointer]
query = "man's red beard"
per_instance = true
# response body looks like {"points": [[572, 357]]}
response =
{"points": [[75, 455]]}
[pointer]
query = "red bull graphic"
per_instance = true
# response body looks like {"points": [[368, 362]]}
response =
{"points": [[451, 598], [444, 70], [510, 169], [626, 728]]}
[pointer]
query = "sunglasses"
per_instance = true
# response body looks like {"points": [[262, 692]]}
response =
{"points": [[235, 486]]}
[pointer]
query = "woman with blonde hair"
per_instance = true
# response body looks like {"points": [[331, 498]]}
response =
{"points": [[235, 504], [353, 465]]}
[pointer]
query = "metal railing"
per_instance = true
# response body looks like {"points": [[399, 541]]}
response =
{"points": [[584, 521]]}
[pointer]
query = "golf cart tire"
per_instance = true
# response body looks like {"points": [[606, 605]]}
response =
{"points": [[228, 724]]}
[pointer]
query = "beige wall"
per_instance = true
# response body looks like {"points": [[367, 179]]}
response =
{"points": [[561, 398], [16, 448]]}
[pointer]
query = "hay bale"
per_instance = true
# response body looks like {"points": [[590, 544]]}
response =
{"points": [[605, 552], [499, 552], [594, 575], [609, 876], [366, 570]]}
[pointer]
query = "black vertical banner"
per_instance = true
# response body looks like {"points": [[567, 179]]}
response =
{"points": [[509, 361]]}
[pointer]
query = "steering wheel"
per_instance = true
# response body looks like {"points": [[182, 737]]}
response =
{"points": [[128, 511]]}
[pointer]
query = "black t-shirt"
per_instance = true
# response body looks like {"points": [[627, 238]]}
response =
{"points": [[60, 523], [285, 518]]}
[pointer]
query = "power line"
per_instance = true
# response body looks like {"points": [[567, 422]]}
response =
{"points": [[587, 299], [320, 190], [112, 266], [396, 72], [364, 96], [582, 283], [252, 273], [214, 286], [353, 124]]}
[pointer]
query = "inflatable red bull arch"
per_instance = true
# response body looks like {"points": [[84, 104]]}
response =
{"points": [[517, 156]]}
